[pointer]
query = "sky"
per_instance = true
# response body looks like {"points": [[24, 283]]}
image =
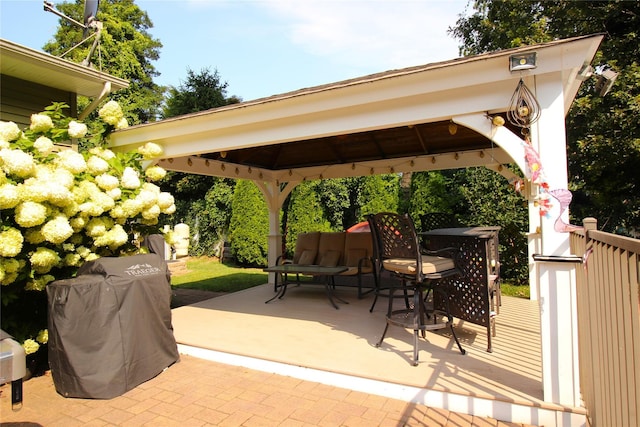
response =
{"points": [[267, 47]]}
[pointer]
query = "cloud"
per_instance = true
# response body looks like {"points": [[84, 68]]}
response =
{"points": [[353, 32]]}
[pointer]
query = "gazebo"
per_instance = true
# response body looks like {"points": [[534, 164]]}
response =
{"points": [[430, 117]]}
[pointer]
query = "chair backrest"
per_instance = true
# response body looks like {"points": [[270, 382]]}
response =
{"points": [[395, 237]]}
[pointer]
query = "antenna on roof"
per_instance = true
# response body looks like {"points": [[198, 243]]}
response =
{"points": [[90, 23]]}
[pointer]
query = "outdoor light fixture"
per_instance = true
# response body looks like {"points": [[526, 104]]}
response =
{"points": [[522, 61], [605, 82]]}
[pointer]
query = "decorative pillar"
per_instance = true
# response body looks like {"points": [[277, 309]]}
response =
{"points": [[556, 269]]}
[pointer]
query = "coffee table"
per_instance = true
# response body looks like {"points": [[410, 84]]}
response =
{"points": [[326, 273]]}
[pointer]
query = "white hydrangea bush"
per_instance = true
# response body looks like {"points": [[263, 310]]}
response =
{"points": [[60, 208]]}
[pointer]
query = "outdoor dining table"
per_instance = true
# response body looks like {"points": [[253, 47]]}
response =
{"points": [[326, 273], [474, 296]]}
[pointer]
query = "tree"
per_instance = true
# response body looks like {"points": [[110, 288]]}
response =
{"points": [[602, 132], [432, 192], [249, 226], [208, 217], [198, 93], [305, 213], [126, 51], [379, 193]]}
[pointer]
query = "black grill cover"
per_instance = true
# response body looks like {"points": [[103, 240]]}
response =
{"points": [[110, 327]]}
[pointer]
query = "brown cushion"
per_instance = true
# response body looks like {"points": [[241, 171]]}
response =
{"points": [[354, 256], [430, 264], [329, 259], [308, 257], [331, 241], [305, 241]]}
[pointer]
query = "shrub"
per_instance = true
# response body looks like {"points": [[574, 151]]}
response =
{"points": [[60, 208]]}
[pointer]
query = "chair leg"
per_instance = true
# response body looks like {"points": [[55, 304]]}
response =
{"points": [[379, 343], [450, 319]]}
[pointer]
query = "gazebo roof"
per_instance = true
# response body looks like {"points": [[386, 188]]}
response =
{"points": [[394, 121]]}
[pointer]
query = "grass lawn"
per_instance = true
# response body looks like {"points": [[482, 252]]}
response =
{"points": [[208, 274]]}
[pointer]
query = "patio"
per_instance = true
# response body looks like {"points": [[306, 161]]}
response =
{"points": [[303, 336]]}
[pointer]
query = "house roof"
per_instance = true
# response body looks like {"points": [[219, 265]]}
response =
{"points": [[48, 70], [392, 121]]}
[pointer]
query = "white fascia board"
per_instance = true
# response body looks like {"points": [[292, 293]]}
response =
{"points": [[406, 97]]}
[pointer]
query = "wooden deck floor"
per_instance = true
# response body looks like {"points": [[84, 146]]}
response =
{"points": [[306, 334]]}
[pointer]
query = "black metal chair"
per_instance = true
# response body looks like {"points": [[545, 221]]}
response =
{"points": [[399, 252], [379, 275]]}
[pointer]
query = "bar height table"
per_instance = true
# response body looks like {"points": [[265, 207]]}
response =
{"points": [[471, 295]]}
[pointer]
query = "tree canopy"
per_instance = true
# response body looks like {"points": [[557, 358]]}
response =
{"points": [[602, 132], [126, 50]]}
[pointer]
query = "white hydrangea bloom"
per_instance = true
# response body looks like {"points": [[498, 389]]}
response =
{"points": [[111, 113], [30, 214], [155, 173], [98, 226], [83, 251], [103, 153], [131, 207], [34, 236], [44, 145], [72, 161], [71, 209], [115, 193], [130, 179], [92, 256], [77, 130], [84, 191], [72, 260], [113, 238], [117, 212], [4, 144], [122, 123], [43, 260], [64, 177], [40, 123], [104, 201], [170, 210], [58, 194], [33, 190], [90, 209], [9, 196], [107, 182], [97, 165], [165, 200], [150, 150], [11, 241], [78, 223], [151, 212], [43, 336], [57, 230], [9, 131], [30, 346], [17, 162], [147, 198]]}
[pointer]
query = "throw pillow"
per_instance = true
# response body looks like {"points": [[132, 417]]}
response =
{"points": [[307, 257]]}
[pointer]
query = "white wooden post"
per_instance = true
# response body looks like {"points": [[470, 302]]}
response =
{"points": [[557, 301]]}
